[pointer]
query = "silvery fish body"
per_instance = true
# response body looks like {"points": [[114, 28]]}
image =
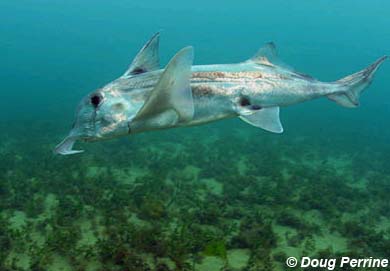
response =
{"points": [[219, 91], [149, 98]]}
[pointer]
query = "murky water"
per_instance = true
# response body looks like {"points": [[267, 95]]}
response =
{"points": [[223, 196]]}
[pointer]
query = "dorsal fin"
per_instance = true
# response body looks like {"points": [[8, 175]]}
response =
{"points": [[147, 59], [266, 55]]}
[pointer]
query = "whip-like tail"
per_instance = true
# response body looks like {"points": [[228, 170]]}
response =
{"points": [[353, 85]]}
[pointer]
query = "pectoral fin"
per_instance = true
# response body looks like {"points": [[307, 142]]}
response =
{"points": [[265, 118], [171, 99]]}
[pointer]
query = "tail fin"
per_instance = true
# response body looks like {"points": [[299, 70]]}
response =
{"points": [[353, 85]]}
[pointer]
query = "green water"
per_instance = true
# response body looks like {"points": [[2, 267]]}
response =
{"points": [[223, 196]]}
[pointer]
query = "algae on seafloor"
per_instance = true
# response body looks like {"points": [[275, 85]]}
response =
{"points": [[215, 248], [188, 207]]}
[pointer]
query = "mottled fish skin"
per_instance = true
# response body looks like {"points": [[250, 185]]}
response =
{"points": [[216, 88]]}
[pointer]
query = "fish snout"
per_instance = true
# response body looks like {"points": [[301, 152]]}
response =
{"points": [[66, 146]]}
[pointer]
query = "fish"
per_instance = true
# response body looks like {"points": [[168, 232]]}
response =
{"points": [[147, 97]]}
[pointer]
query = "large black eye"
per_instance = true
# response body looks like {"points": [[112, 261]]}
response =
{"points": [[95, 100], [244, 101]]}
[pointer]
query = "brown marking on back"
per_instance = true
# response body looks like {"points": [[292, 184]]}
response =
{"points": [[217, 75], [202, 90]]}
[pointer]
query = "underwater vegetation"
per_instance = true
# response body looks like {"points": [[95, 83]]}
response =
{"points": [[184, 201]]}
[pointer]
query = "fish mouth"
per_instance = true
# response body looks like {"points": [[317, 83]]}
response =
{"points": [[66, 145]]}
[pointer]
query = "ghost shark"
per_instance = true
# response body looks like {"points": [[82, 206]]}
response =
{"points": [[147, 97]]}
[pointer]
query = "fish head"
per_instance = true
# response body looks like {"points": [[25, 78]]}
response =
{"points": [[107, 112], [103, 114]]}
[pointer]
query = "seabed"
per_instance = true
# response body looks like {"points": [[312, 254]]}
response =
{"points": [[218, 197]]}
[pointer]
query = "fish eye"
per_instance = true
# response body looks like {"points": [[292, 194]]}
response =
{"points": [[244, 101], [96, 100]]}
